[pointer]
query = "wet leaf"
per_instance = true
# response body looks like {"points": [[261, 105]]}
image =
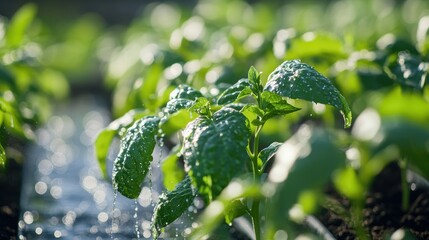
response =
{"points": [[298, 80], [106, 136], [172, 205], [306, 161], [275, 105], [202, 107], [215, 150], [183, 97], [236, 106], [238, 90], [135, 156]]}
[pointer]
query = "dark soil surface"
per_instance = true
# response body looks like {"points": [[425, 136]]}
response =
{"points": [[382, 213], [10, 185]]}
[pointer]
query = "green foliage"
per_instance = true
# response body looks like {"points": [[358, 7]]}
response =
{"points": [[173, 173], [215, 150], [233, 93], [267, 153], [306, 161], [219, 146], [19, 24], [409, 71], [27, 86], [183, 97], [171, 205], [190, 73], [410, 139], [134, 159], [105, 137], [298, 80]]}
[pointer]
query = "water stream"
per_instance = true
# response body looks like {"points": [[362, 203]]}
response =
{"points": [[64, 195]]}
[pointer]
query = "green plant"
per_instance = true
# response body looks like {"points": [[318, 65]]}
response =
{"points": [[220, 144], [26, 85], [379, 70]]}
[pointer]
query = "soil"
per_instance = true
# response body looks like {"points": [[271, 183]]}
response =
{"points": [[10, 185], [382, 213]]}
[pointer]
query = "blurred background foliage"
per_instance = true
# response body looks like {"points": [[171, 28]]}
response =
{"points": [[138, 52]]}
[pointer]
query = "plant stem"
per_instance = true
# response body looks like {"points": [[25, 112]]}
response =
{"points": [[403, 164], [357, 219], [255, 219], [256, 170], [256, 179]]}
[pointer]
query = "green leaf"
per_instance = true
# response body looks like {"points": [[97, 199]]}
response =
{"points": [[172, 173], [2, 157], [148, 90], [347, 183], [215, 150], [234, 210], [202, 107], [19, 24], [101, 145], [183, 97], [409, 71], [306, 161], [274, 105], [106, 136], [254, 76], [176, 121], [13, 124], [127, 119], [255, 109], [422, 35], [135, 156], [235, 92], [216, 211], [255, 80], [172, 205], [54, 83], [411, 139], [268, 152], [236, 106], [298, 80], [1, 117]]}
